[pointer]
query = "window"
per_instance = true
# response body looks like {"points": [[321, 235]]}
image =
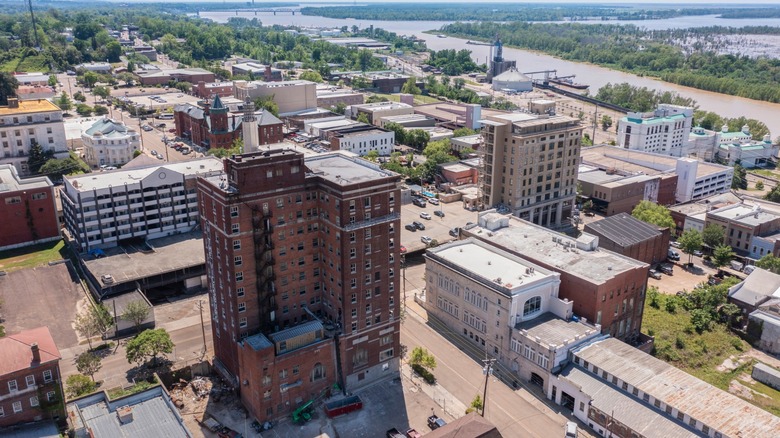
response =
{"points": [[51, 396], [47, 376], [242, 322], [2, 412], [238, 261], [236, 244], [283, 374], [30, 380], [240, 292], [12, 387], [241, 307], [13, 200], [239, 276], [386, 355], [532, 306], [34, 401], [17, 407], [235, 228], [234, 211], [318, 372], [37, 196]]}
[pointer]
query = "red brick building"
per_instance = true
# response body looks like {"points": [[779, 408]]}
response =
{"points": [[213, 126], [30, 384], [208, 89], [28, 211], [627, 235], [303, 263]]}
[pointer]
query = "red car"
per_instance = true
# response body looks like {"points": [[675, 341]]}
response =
{"points": [[412, 433], [403, 249]]}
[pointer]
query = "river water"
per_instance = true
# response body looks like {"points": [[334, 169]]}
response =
{"points": [[527, 61]]}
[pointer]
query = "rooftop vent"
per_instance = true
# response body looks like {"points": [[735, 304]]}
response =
{"points": [[125, 414]]}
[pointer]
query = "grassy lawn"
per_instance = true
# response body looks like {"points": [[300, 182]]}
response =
{"points": [[32, 256], [28, 63], [769, 173], [418, 100], [699, 354]]}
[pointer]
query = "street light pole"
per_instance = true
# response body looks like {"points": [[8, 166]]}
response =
{"points": [[202, 327], [488, 367]]}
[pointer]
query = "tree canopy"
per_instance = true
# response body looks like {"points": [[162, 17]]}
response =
{"points": [[690, 241], [712, 235], [653, 213], [770, 263], [148, 345]]}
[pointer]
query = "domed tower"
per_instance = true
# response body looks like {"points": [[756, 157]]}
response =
{"points": [[219, 116]]}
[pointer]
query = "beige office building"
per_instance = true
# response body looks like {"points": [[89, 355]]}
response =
{"points": [[530, 166], [290, 96]]}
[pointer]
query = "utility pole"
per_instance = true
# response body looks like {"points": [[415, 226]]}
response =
{"points": [[403, 272], [202, 327], [595, 123], [486, 369], [35, 26]]}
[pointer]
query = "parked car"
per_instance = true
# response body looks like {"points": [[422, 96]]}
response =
{"points": [[454, 232], [654, 274], [394, 433], [154, 153], [419, 225], [590, 214], [571, 429], [433, 201], [403, 249], [698, 253], [412, 433], [420, 202], [438, 213], [426, 240], [434, 422], [147, 128], [411, 227], [666, 269], [673, 255], [425, 216], [749, 269], [674, 244]]}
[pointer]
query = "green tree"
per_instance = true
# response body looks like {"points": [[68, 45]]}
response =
{"points": [[398, 129], [770, 263], [340, 108], [363, 118], [113, 51], [136, 312], [712, 235], [773, 194], [126, 77], [420, 356], [8, 86], [410, 86], [359, 82], [100, 110], [88, 363], [90, 78], [653, 213], [267, 103], [310, 75], [465, 152], [92, 323], [417, 138], [101, 92], [606, 122], [740, 177], [64, 102], [464, 132], [372, 155], [78, 384], [759, 185], [38, 157], [476, 405], [52, 80], [148, 345], [690, 241], [79, 97], [84, 110], [721, 255], [364, 59]]}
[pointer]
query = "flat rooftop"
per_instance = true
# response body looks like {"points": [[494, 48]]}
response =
{"points": [[705, 204], [10, 181], [744, 214], [170, 254], [114, 178], [554, 331], [342, 169], [535, 243], [29, 107], [381, 106], [452, 111], [152, 416], [641, 418], [491, 264], [475, 139], [624, 229], [722, 411], [637, 162]]}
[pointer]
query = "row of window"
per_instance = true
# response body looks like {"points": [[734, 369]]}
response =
{"points": [[17, 405], [29, 381]]}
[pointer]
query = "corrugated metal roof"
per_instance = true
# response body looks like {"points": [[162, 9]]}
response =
{"points": [[759, 286], [625, 409], [623, 229], [152, 418], [718, 409], [296, 331]]}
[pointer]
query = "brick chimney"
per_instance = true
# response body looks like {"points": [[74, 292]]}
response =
{"points": [[13, 102], [36, 353]]}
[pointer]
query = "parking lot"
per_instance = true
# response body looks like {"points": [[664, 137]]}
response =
{"points": [[437, 228], [682, 279]]}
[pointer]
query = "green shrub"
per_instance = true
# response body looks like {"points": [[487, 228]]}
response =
{"points": [[424, 373]]}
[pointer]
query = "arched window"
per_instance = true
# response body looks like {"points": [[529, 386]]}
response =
{"points": [[532, 306], [318, 372]]}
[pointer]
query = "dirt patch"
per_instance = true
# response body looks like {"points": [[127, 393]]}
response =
{"points": [[207, 397]]}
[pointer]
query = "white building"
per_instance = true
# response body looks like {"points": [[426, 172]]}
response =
{"points": [[362, 141], [499, 301], [101, 209], [740, 147], [664, 131], [375, 111], [703, 144], [512, 80], [27, 122], [110, 143]]}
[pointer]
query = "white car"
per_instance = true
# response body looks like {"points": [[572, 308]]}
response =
{"points": [[425, 215], [154, 153], [426, 240]]}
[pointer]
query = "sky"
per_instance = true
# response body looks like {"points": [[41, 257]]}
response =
{"points": [[639, 3]]}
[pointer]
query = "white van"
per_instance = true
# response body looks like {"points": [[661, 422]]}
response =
{"points": [[571, 429], [165, 117]]}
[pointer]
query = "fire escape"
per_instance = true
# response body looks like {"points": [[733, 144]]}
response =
{"points": [[264, 269]]}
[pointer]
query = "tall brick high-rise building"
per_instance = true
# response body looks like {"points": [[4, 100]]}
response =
{"points": [[303, 263]]}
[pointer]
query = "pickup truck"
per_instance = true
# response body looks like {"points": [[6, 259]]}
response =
{"points": [[394, 433], [434, 422]]}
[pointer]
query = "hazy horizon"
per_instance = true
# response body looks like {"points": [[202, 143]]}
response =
{"points": [[640, 3]]}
